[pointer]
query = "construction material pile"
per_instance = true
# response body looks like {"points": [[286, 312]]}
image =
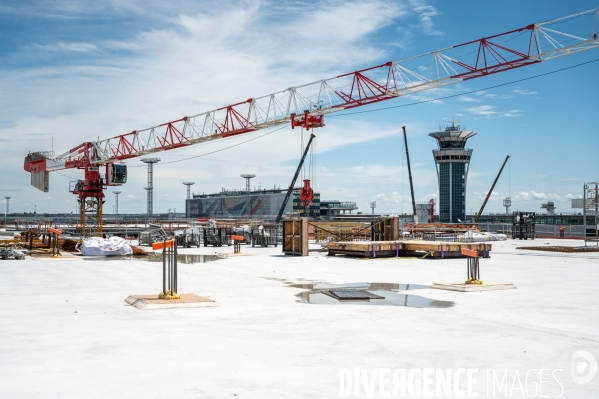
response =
{"points": [[10, 254], [96, 246]]}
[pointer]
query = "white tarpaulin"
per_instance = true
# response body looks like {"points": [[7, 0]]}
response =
{"points": [[96, 246], [472, 236]]}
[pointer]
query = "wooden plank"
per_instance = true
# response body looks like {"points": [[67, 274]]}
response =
{"points": [[160, 244], [470, 253]]}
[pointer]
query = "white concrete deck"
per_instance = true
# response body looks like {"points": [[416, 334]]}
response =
{"points": [[263, 342]]}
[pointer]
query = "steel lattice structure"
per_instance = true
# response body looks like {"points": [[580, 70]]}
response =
{"points": [[306, 105]]}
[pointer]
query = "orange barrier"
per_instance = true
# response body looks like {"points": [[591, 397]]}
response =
{"points": [[55, 231], [237, 238], [160, 244], [470, 253]]}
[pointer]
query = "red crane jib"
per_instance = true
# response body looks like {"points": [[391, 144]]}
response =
{"points": [[307, 194]]}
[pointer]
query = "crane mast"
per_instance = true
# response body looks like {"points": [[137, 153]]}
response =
{"points": [[306, 105]]}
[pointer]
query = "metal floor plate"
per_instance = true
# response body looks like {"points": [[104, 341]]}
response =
{"points": [[352, 294]]}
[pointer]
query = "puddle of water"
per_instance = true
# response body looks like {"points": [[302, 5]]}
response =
{"points": [[392, 298], [107, 258], [392, 293], [304, 286]]}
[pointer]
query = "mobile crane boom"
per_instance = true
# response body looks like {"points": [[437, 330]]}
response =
{"points": [[482, 208], [292, 185]]}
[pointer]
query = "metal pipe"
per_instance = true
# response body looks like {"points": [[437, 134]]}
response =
{"points": [[164, 268], [176, 261]]}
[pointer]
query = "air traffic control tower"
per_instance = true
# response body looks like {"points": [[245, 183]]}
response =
{"points": [[452, 159]]}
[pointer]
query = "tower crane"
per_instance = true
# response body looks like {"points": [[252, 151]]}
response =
{"points": [[306, 105]]}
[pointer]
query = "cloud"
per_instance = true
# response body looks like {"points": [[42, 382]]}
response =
{"points": [[425, 15], [523, 92], [484, 110], [61, 46], [468, 99], [512, 113], [533, 195], [488, 111], [542, 175]]}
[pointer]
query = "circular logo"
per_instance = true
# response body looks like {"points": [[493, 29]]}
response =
{"points": [[583, 367]]}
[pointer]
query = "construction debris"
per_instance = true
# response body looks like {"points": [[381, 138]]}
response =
{"points": [[153, 234], [11, 254], [69, 245], [138, 251]]}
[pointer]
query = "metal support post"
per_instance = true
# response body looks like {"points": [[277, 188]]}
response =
{"points": [[169, 268], [472, 266]]}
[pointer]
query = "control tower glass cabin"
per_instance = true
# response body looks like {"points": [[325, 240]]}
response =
{"points": [[452, 159]]}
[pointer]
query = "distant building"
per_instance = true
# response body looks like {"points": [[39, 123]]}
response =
{"points": [[330, 208], [452, 159], [253, 204]]}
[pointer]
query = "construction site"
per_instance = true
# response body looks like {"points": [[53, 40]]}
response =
{"points": [[290, 291]]}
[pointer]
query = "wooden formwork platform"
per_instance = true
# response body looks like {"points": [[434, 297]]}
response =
{"points": [[434, 249], [295, 237]]}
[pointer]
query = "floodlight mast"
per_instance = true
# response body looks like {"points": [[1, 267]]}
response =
{"points": [[306, 105]]}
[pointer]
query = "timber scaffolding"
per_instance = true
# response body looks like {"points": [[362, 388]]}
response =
{"points": [[397, 248], [385, 229], [382, 237]]}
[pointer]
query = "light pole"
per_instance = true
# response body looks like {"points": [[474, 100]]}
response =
{"points": [[150, 187], [116, 202], [188, 184], [7, 201]]}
